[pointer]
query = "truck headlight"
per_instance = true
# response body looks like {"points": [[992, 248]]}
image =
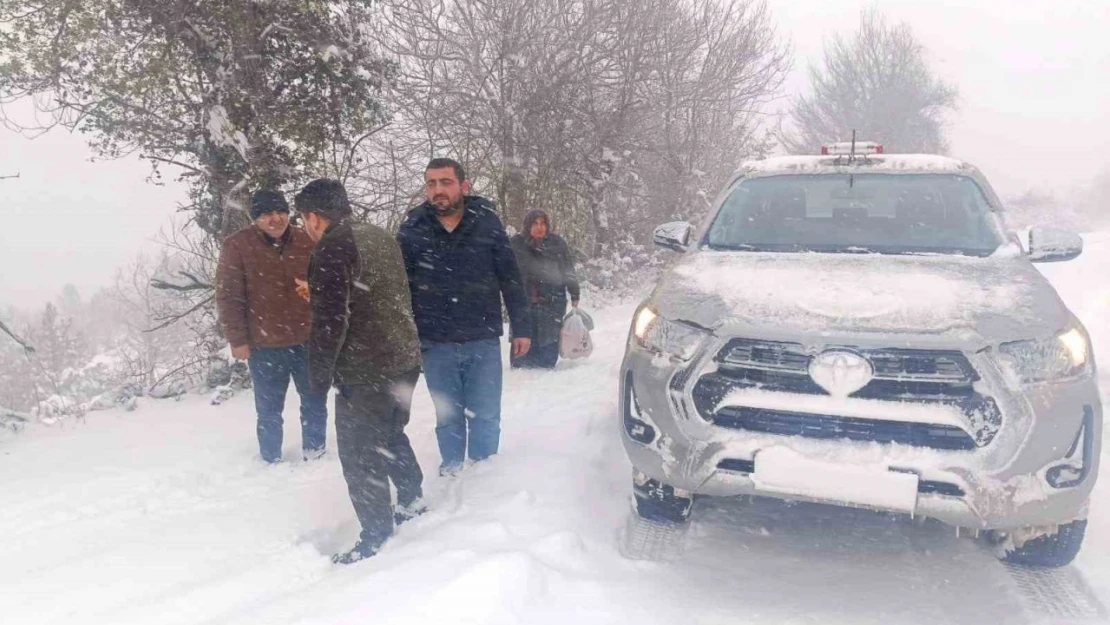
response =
{"points": [[1062, 357], [674, 338]]}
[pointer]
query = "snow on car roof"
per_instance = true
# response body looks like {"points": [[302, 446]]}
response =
{"points": [[873, 163]]}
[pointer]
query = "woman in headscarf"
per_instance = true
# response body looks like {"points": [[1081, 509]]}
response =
{"points": [[548, 271]]}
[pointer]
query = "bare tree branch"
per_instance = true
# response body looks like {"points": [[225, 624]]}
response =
{"points": [[194, 284], [190, 363], [171, 319], [22, 343]]}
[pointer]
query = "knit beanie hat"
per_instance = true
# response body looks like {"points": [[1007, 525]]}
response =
{"points": [[268, 201], [324, 196]]}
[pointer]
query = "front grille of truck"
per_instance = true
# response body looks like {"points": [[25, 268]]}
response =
{"points": [[933, 436], [935, 377], [920, 374]]}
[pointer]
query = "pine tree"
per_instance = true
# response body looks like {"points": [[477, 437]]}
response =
{"points": [[60, 351]]}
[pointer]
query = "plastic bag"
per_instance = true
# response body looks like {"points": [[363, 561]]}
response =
{"points": [[574, 340]]}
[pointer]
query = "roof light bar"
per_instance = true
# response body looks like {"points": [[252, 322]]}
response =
{"points": [[844, 148]]}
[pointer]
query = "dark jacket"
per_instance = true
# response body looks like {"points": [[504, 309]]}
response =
{"points": [[458, 278], [362, 327], [548, 272], [256, 292]]}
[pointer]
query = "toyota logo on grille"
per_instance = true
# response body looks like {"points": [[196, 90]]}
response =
{"points": [[840, 372]]}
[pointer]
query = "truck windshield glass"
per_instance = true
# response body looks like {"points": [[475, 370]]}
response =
{"points": [[858, 213]]}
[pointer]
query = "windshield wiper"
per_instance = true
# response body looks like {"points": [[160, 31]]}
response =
{"points": [[852, 249], [737, 247], [894, 251], [792, 248]]}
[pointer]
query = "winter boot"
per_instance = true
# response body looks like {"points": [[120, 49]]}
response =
{"points": [[406, 513], [361, 551]]}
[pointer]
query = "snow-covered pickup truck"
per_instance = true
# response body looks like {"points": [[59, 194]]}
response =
{"points": [[860, 329]]}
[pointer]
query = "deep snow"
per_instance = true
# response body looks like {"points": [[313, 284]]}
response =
{"points": [[163, 515]]}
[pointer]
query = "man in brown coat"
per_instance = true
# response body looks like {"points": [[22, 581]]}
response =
{"points": [[267, 322]]}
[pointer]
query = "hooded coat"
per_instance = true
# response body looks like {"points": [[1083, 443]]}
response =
{"points": [[547, 269]]}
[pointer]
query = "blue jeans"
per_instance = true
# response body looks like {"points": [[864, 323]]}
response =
{"points": [[465, 382], [271, 368]]}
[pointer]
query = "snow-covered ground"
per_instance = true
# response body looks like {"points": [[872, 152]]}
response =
{"points": [[163, 515]]}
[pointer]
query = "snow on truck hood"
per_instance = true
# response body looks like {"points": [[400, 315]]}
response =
{"points": [[999, 298]]}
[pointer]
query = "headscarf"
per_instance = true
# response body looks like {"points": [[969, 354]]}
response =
{"points": [[529, 219]]}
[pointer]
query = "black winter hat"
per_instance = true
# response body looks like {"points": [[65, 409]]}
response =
{"points": [[268, 201], [324, 196]]}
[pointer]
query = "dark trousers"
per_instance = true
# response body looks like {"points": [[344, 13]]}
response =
{"points": [[547, 326], [370, 422], [271, 368], [538, 357]]}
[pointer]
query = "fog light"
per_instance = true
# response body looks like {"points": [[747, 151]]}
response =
{"points": [[1064, 476], [635, 421], [1072, 472]]}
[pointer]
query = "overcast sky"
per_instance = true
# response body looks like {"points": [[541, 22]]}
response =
{"points": [[1034, 81]]}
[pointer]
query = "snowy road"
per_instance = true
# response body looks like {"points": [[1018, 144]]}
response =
{"points": [[164, 516]]}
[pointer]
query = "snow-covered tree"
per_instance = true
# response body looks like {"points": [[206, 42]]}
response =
{"points": [[1034, 207], [69, 302], [17, 381], [58, 346], [147, 357], [1081, 209], [878, 83], [610, 114], [234, 94]]}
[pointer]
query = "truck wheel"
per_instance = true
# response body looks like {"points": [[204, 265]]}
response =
{"points": [[1050, 550]]}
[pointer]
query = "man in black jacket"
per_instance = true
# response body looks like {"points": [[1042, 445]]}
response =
{"points": [[364, 341], [460, 265]]}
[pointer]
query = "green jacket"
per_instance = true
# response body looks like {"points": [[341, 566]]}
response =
{"points": [[362, 325]]}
